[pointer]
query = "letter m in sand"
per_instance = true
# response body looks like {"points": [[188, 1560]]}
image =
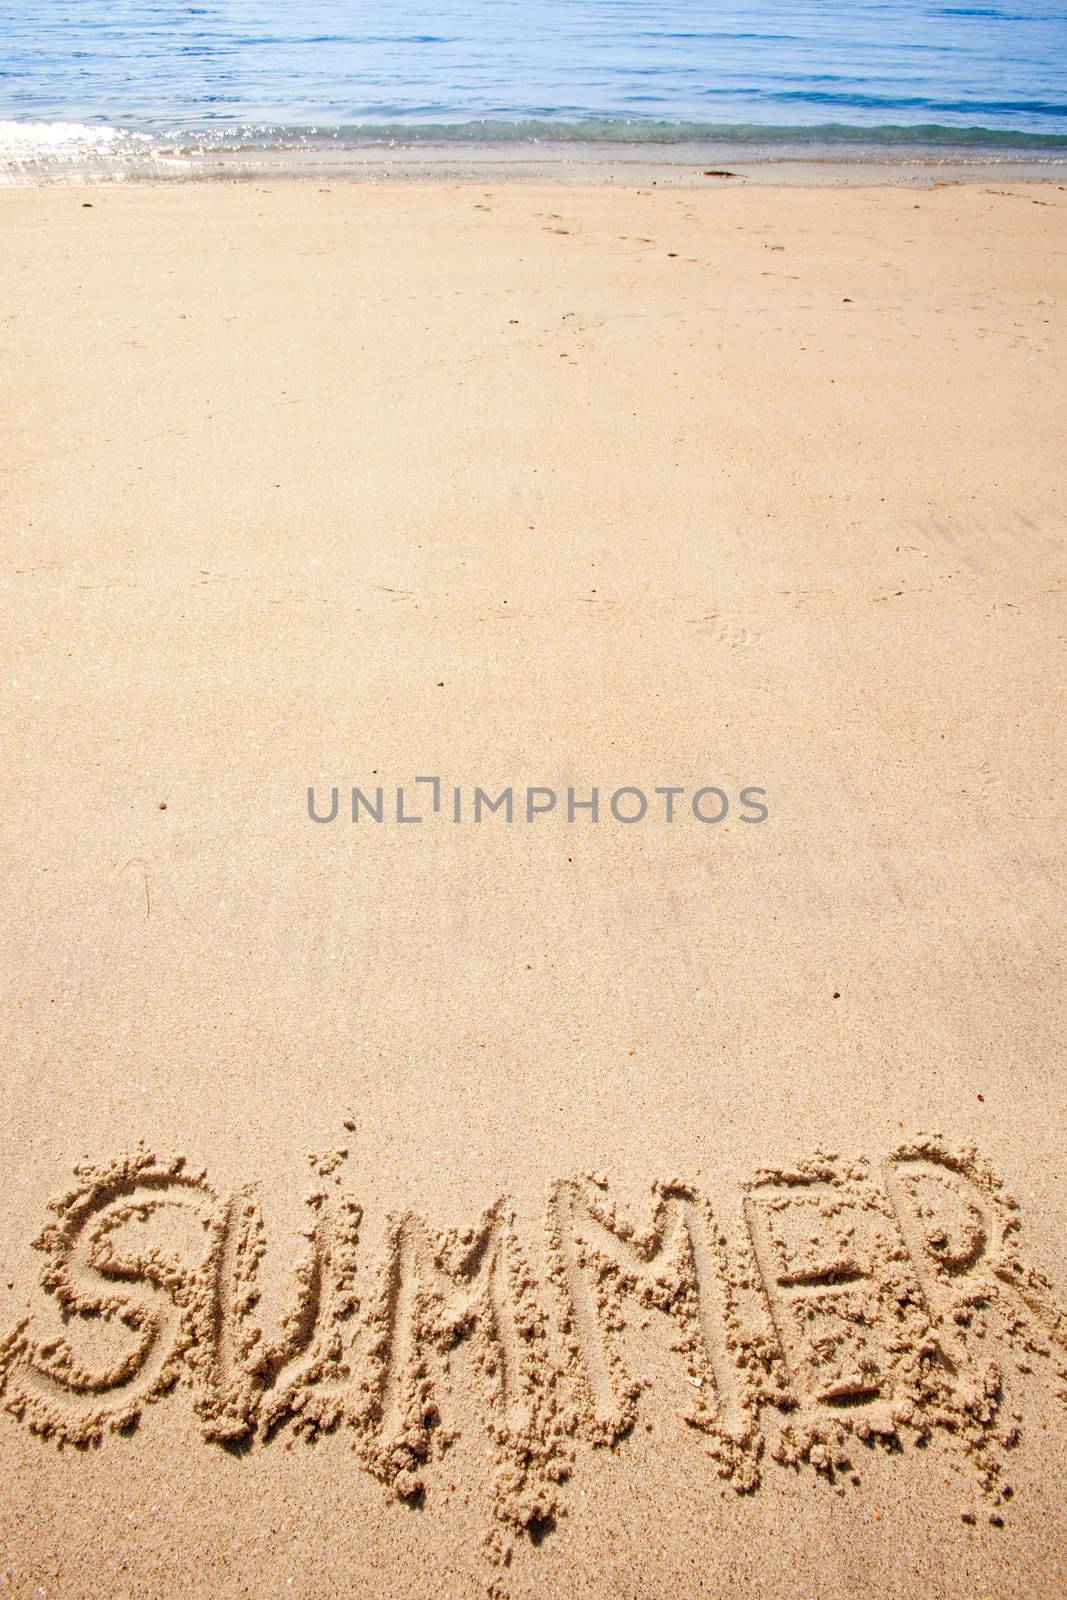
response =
{"points": [[598, 1260], [455, 1303]]}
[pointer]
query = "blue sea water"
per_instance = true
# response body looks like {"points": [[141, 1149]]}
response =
{"points": [[980, 73]]}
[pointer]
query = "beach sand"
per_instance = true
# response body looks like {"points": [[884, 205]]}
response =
{"points": [[547, 1208]]}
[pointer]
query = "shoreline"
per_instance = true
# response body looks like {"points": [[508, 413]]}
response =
{"points": [[47, 154], [565, 165]]}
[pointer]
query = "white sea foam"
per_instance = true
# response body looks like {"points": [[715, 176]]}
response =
{"points": [[31, 141], [32, 150]]}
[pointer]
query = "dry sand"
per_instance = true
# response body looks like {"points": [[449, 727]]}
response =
{"points": [[549, 1207]]}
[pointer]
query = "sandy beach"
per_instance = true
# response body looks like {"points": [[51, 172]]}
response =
{"points": [[650, 1203]]}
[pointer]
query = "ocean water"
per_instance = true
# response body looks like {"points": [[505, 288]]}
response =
{"points": [[127, 74]]}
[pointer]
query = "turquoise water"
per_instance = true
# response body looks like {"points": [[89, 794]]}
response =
{"points": [[294, 70]]}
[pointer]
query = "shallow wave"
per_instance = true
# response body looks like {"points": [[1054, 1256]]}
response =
{"points": [[75, 139]]}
